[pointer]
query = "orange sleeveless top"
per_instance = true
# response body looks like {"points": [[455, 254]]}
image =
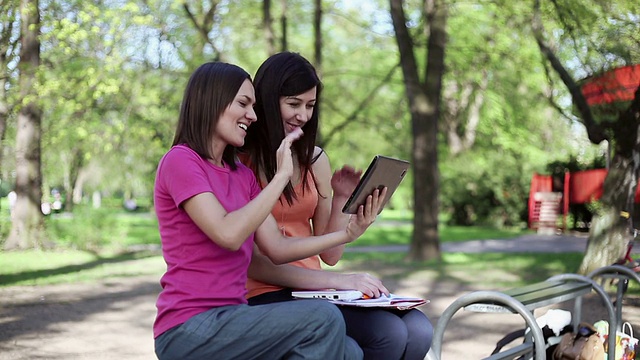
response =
{"points": [[294, 220]]}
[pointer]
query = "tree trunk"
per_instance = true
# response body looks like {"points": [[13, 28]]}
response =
{"points": [[76, 164], [283, 23], [317, 48], [610, 231], [4, 104], [317, 36], [461, 136], [424, 106], [27, 229], [7, 47], [267, 27]]}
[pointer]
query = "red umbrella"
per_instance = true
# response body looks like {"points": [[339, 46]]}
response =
{"points": [[614, 86]]}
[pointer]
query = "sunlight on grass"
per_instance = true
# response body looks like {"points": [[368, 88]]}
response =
{"points": [[526, 268], [465, 233], [36, 267], [33, 260], [530, 267]]}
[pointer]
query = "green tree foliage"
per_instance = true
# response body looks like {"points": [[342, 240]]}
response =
{"points": [[113, 72], [95, 100], [498, 128]]}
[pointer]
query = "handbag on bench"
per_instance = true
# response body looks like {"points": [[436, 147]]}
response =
{"points": [[554, 324], [584, 344], [550, 338]]}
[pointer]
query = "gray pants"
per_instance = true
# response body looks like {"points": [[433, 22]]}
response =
{"points": [[301, 329]]}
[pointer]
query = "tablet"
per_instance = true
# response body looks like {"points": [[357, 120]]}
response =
{"points": [[346, 295], [383, 171]]}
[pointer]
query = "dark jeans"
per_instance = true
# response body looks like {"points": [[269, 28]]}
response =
{"points": [[299, 330], [381, 333]]}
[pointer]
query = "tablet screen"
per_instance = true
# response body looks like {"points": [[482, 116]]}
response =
{"points": [[383, 171]]}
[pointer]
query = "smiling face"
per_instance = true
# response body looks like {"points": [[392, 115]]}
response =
{"points": [[296, 110], [231, 128]]}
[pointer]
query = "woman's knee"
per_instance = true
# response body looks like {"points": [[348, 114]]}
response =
{"points": [[386, 341], [418, 324], [420, 336], [352, 351], [322, 315]]}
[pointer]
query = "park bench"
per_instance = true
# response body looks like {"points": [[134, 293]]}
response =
{"points": [[525, 300], [619, 273]]}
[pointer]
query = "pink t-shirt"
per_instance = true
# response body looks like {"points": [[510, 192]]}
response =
{"points": [[200, 274]]}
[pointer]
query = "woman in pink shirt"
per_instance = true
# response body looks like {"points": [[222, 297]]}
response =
{"points": [[211, 212], [287, 100]]}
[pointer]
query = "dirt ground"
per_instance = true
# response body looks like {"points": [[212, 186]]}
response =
{"points": [[112, 319]]}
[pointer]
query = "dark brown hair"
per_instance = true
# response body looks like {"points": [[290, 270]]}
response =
{"points": [[282, 74]]}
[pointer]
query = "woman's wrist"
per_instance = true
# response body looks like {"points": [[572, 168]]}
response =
{"points": [[280, 179], [350, 236], [339, 200], [333, 280]]}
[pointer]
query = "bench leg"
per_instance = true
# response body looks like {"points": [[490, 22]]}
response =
{"points": [[577, 311], [431, 355], [483, 296]]}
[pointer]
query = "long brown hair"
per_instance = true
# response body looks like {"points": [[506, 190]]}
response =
{"points": [[282, 74]]}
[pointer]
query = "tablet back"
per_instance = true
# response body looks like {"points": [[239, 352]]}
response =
{"points": [[383, 171]]}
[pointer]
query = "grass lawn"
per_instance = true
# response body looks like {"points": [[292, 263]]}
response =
{"points": [[400, 234], [521, 269], [35, 267], [54, 267], [111, 259]]}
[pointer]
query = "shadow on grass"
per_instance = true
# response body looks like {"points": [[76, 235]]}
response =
{"points": [[10, 279]]}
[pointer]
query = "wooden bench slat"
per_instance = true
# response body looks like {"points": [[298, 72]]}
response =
{"points": [[552, 292], [533, 287], [536, 295]]}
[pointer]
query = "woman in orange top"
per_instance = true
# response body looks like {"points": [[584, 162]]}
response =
{"points": [[287, 95]]}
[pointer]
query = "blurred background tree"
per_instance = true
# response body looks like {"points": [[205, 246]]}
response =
{"points": [[598, 37], [112, 75]]}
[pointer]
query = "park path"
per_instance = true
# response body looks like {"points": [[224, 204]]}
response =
{"points": [[112, 319]]}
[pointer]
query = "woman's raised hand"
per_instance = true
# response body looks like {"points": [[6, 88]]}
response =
{"points": [[366, 214], [344, 181], [283, 154]]}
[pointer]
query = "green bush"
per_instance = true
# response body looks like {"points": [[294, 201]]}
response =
{"points": [[86, 229], [489, 191], [5, 228]]}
